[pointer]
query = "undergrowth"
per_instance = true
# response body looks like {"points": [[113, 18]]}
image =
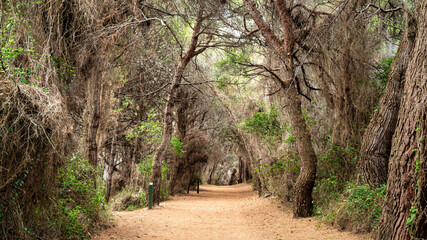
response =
{"points": [[357, 209], [341, 202], [81, 205], [129, 200], [280, 175], [72, 212]]}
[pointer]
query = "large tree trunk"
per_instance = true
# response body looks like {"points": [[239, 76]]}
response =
{"points": [[303, 205], [175, 168], [134, 162], [405, 204], [94, 105], [156, 172], [376, 144]]}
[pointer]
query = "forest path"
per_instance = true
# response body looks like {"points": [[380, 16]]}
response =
{"points": [[219, 212]]}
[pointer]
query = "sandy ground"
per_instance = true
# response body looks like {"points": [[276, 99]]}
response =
{"points": [[219, 212]]}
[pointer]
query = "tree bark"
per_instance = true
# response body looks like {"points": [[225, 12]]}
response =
{"points": [[94, 105], [241, 178], [407, 185], [112, 161], [376, 144], [303, 205], [182, 123], [156, 172]]}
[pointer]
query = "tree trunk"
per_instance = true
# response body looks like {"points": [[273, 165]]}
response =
{"points": [[175, 168], [211, 174], [112, 161], [405, 203], [156, 171], [94, 95], [376, 144], [134, 162], [303, 205]]}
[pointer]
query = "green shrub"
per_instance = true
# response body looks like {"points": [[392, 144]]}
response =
{"points": [[358, 209], [290, 162], [81, 205], [335, 168], [326, 191], [337, 162], [339, 201], [264, 122]]}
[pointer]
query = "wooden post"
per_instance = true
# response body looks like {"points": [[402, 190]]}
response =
{"points": [[198, 182], [150, 196]]}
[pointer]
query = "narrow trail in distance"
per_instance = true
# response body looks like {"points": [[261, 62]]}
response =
{"points": [[219, 212]]}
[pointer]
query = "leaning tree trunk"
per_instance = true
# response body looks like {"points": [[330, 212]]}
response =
{"points": [[404, 213], [284, 50], [156, 172], [376, 143]]}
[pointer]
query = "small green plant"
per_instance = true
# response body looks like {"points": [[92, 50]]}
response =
{"points": [[125, 103], [64, 69], [381, 75], [288, 128], [177, 146], [411, 218]]}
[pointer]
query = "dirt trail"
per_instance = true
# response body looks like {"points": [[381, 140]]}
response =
{"points": [[219, 212]]}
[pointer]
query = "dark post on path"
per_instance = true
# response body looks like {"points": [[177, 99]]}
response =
{"points": [[150, 195], [198, 182]]}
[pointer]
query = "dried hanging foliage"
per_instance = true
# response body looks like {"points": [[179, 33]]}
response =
{"points": [[342, 50], [35, 136]]}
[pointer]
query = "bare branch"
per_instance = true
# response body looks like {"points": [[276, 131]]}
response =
{"points": [[381, 9]]}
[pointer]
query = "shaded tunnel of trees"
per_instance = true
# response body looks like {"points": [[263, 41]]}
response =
{"points": [[319, 103]]}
